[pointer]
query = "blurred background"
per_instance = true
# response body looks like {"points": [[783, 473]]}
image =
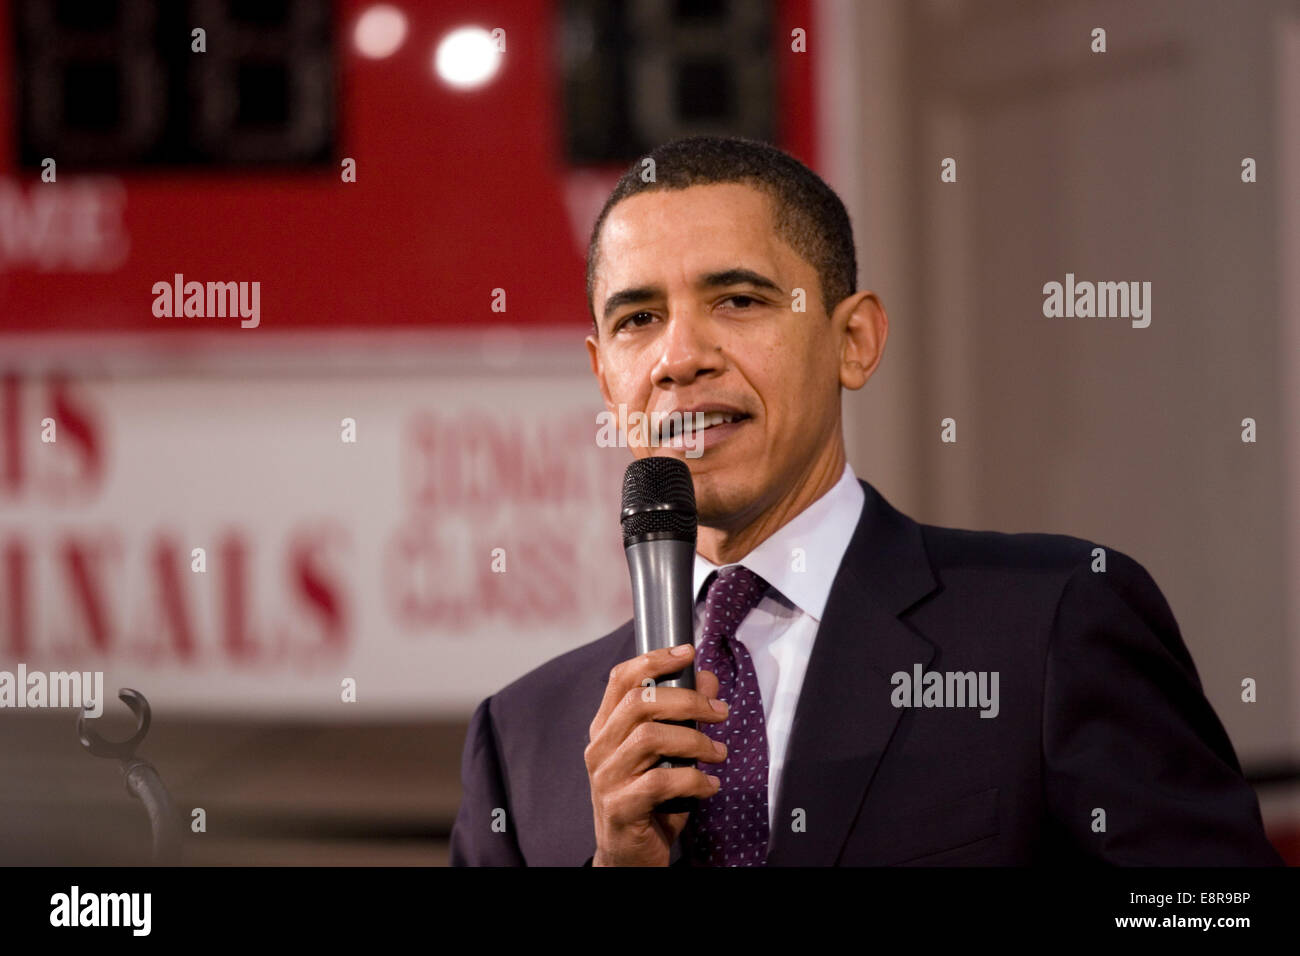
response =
{"points": [[244, 515]]}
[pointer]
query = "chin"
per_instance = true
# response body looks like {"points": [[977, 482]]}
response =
{"points": [[718, 502]]}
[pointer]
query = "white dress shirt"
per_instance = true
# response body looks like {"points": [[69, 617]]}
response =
{"points": [[779, 632]]}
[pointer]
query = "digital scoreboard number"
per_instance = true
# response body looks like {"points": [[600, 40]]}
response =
{"points": [[114, 84], [637, 73]]}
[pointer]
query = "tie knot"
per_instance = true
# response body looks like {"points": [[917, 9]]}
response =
{"points": [[733, 592]]}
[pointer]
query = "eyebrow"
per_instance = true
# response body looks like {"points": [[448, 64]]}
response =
{"points": [[711, 280]]}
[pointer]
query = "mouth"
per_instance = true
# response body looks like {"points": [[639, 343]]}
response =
{"points": [[687, 426]]}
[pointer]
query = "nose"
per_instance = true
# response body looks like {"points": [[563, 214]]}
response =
{"points": [[689, 349]]}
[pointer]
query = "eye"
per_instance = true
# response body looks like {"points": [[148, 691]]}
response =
{"points": [[631, 320], [742, 300]]}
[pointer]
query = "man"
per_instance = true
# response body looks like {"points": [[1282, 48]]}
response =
{"points": [[869, 690]]}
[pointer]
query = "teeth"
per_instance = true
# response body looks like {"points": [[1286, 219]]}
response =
{"points": [[714, 418], [709, 420]]}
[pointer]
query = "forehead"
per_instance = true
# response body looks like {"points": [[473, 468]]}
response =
{"points": [[666, 234]]}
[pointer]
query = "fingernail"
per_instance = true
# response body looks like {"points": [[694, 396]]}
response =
{"points": [[714, 780], [681, 650], [719, 705], [719, 748]]}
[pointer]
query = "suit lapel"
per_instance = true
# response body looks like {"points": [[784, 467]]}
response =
{"points": [[844, 718]]}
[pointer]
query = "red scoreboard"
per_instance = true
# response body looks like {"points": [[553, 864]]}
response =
{"points": [[326, 152]]}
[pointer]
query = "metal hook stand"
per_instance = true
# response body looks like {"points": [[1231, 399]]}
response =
{"points": [[142, 780]]}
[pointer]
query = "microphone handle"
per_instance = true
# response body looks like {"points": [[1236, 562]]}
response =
{"points": [[663, 606]]}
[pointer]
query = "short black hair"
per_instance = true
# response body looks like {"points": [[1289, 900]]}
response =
{"points": [[808, 215]]}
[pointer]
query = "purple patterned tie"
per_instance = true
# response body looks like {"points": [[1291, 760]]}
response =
{"points": [[731, 827]]}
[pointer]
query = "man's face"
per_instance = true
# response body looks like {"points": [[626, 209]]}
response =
{"points": [[694, 300]]}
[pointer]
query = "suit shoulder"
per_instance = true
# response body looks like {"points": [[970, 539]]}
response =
{"points": [[1058, 556], [952, 548]]}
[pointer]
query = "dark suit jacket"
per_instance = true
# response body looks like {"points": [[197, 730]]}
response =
{"points": [[1100, 708]]}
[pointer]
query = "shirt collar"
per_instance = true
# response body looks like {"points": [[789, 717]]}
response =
{"points": [[822, 531]]}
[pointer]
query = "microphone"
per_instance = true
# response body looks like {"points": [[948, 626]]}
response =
{"points": [[659, 529]]}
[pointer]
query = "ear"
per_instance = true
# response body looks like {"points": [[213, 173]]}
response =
{"points": [[864, 328], [598, 370]]}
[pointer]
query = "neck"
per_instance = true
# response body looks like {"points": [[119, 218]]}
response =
{"points": [[743, 532]]}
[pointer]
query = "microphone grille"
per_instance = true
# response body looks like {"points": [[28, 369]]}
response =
{"points": [[658, 496]]}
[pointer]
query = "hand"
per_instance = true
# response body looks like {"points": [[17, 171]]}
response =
{"points": [[627, 743]]}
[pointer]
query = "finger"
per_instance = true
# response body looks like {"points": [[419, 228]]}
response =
{"points": [[637, 800], [706, 682], [664, 703], [631, 672], [648, 744]]}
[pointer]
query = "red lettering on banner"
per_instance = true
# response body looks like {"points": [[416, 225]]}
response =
{"points": [[76, 429], [75, 423], [83, 561], [480, 481], [317, 588], [89, 579], [439, 573], [16, 562], [169, 564], [540, 585], [477, 459], [69, 596], [237, 637], [11, 443], [412, 569]]}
